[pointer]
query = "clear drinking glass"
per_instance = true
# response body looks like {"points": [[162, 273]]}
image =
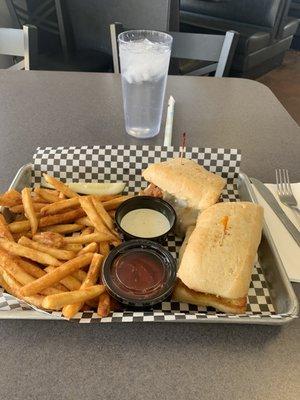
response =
{"points": [[144, 58]]}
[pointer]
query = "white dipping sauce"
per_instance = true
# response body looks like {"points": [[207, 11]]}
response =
{"points": [[145, 223]]}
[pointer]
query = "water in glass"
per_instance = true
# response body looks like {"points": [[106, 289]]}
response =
{"points": [[144, 68]]}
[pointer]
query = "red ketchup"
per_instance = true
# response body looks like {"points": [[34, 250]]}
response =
{"points": [[138, 274]]}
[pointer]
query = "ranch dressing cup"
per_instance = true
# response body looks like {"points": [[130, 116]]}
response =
{"points": [[144, 59]]}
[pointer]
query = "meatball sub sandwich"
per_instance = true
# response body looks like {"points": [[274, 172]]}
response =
{"points": [[186, 185], [218, 255]]}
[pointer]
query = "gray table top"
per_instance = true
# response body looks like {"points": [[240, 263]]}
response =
{"points": [[65, 108], [58, 360]]}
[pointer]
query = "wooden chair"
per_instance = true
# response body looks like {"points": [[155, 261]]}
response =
{"points": [[208, 53], [20, 43]]}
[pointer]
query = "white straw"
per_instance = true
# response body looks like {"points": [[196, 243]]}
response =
{"points": [[169, 122]]}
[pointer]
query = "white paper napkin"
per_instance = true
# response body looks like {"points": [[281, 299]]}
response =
{"points": [[288, 249]]}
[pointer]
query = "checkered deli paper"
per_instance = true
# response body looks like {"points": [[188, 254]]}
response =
{"points": [[126, 163]]}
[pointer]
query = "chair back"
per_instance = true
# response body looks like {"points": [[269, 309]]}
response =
{"points": [[219, 49], [20, 43], [41, 13], [51, 19]]}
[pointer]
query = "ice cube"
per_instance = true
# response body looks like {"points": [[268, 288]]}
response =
{"points": [[143, 61]]}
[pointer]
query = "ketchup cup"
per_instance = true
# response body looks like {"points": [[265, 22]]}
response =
{"points": [[139, 273]]}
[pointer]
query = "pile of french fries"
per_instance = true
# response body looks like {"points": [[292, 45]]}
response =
{"points": [[51, 255]]}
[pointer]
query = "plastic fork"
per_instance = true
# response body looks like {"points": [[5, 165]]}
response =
{"points": [[284, 189]]}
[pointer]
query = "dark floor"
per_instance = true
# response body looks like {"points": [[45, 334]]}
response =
{"points": [[285, 83]]}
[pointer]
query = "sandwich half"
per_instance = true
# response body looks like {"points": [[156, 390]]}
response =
{"points": [[186, 185], [217, 261]]}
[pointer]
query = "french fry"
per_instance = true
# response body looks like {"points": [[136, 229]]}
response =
{"points": [[103, 309], [20, 208], [51, 196], [93, 237], [52, 251], [80, 275], [94, 271], [61, 187], [69, 281], [58, 301], [54, 192], [15, 287], [19, 226], [5, 285], [36, 300], [11, 282], [116, 242], [84, 221], [61, 196], [112, 213], [106, 197], [29, 210], [51, 263], [31, 268], [68, 216], [22, 251], [10, 198], [63, 228], [59, 206], [36, 198], [114, 203], [103, 213], [104, 248], [90, 248], [4, 231], [11, 264], [52, 239], [71, 309], [87, 231], [17, 236], [56, 276], [37, 272], [73, 247], [87, 205]]}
